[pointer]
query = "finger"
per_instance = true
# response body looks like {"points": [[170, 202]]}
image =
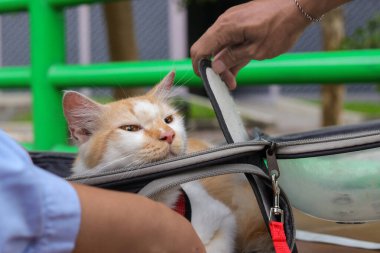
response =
{"points": [[229, 79], [229, 76], [229, 57], [235, 70]]}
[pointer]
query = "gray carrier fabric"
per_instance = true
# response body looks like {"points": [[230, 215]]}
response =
{"points": [[156, 187], [218, 155]]}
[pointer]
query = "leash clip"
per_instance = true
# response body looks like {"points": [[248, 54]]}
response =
{"points": [[276, 210]]}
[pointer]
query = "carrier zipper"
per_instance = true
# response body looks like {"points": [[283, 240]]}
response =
{"points": [[329, 138], [193, 154]]}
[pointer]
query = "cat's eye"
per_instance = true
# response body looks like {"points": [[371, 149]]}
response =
{"points": [[131, 128], [169, 119]]}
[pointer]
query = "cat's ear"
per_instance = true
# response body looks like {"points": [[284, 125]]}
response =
{"points": [[82, 115], [164, 87]]}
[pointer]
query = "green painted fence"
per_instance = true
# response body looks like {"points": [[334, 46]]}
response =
{"points": [[49, 73]]}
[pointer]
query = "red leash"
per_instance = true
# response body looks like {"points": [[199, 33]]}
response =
{"points": [[278, 237], [277, 227]]}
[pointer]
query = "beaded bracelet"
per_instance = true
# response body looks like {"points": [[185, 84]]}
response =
{"points": [[308, 16]]}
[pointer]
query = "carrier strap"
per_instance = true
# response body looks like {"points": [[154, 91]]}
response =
{"points": [[278, 237]]}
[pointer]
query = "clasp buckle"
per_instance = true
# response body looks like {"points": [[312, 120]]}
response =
{"points": [[276, 210]]}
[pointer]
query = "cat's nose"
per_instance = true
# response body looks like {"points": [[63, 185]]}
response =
{"points": [[167, 136]]}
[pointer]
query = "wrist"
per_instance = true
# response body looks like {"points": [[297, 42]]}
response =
{"points": [[313, 10]]}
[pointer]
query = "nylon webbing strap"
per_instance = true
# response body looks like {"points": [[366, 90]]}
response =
{"points": [[155, 187], [278, 237]]}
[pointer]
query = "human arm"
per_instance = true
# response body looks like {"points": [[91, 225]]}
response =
{"points": [[259, 30], [122, 222]]}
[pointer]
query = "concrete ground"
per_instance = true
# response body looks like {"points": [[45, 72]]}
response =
{"points": [[282, 116]]}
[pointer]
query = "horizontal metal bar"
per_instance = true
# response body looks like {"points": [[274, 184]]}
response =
{"points": [[13, 5], [142, 73], [15, 77], [67, 3], [315, 68], [297, 68]]}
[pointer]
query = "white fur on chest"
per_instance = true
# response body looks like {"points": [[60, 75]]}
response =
{"points": [[212, 220]]}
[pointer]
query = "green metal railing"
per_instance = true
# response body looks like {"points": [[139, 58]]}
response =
{"points": [[49, 73]]}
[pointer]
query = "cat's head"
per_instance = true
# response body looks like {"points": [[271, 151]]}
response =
{"points": [[128, 132]]}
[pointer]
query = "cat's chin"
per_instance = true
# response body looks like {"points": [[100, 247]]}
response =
{"points": [[169, 155], [175, 152]]}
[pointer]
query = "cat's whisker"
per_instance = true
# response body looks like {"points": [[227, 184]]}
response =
{"points": [[123, 90], [184, 83], [105, 165], [164, 95], [182, 77]]}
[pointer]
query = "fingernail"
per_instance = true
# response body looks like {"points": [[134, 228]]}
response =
{"points": [[218, 66]]}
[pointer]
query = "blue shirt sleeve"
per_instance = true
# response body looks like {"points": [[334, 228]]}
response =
{"points": [[39, 212]]}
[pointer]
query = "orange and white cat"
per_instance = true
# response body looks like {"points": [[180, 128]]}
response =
{"points": [[145, 129]]}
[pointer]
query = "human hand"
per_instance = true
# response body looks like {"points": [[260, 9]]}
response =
{"points": [[259, 29]]}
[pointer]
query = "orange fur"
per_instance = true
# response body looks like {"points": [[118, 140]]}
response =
{"points": [[195, 145]]}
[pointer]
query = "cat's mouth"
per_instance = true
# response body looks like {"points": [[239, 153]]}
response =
{"points": [[165, 152], [173, 152]]}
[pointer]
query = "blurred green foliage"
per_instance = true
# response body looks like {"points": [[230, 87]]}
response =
{"points": [[370, 109], [364, 37], [201, 112]]}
